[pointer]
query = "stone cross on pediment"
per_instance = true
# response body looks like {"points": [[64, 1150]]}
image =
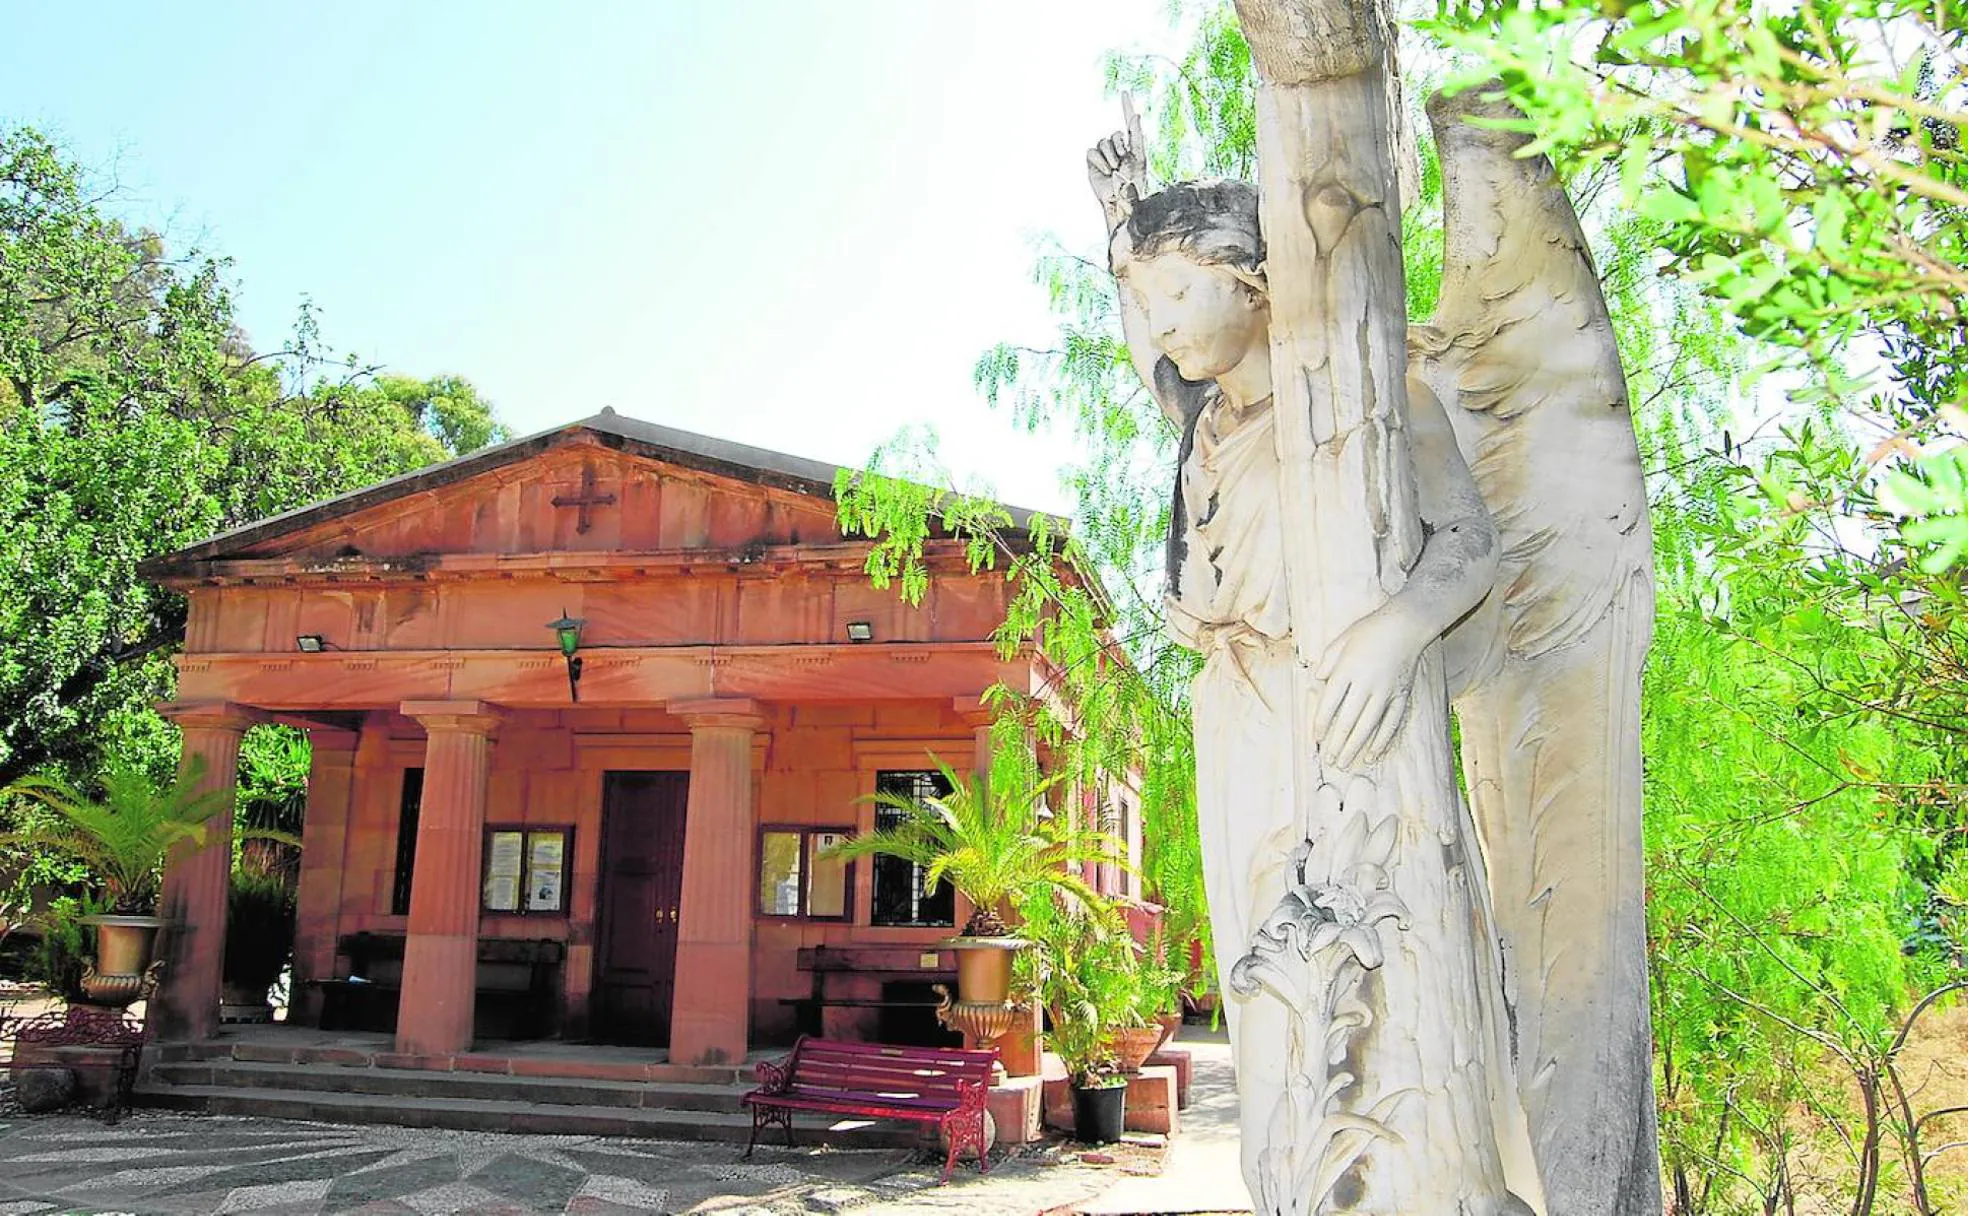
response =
{"points": [[586, 500]]}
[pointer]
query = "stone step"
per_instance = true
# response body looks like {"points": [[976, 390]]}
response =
{"points": [[530, 1118], [582, 1066], [403, 1082]]}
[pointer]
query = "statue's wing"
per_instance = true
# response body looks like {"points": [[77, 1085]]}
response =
{"points": [[1547, 672]]}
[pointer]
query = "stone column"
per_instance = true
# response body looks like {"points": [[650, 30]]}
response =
{"points": [[440, 960], [198, 880], [324, 837], [978, 716], [710, 1019]]}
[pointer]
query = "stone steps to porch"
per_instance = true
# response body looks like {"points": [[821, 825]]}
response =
{"points": [[533, 1094], [410, 1083], [488, 1115]]}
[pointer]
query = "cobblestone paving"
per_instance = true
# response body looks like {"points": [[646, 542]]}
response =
{"points": [[185, 1165]]}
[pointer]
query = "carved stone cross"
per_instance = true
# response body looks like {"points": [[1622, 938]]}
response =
{"points": [[585, 500]]}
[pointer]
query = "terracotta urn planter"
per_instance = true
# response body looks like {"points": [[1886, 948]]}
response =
{"points": [[984, 966], [125, 948], [983, 1010], [1133, 1045], [1170, 1023]]}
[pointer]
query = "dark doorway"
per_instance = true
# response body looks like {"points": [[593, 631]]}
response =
{"points": [[641, 888]]}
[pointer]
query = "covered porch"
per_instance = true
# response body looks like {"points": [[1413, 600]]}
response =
{"points": [[646, 926]]}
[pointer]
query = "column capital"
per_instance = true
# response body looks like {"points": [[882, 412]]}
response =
{"points": [[975, 711], [462, 717], [736, 712], [211, 715]]}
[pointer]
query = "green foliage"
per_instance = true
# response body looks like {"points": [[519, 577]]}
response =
{"points": [[995, 841], [135, 419], [260, 913], [63, 950], [273, 779], [1799, 167], [1805, 165], [122, 837], [1090, 985]]}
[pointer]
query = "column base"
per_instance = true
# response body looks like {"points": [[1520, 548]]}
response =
{"points": [[440, 979], [710, 1020]]}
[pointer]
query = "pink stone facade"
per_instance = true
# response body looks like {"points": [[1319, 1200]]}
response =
{"points": [[716, 595]]}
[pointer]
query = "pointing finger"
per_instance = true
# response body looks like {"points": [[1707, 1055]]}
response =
{"points": [[1133, 124]]}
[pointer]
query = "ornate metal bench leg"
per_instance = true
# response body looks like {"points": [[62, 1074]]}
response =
{"points": [[758, 1121]]}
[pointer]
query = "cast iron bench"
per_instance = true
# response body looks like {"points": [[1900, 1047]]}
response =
{"points": [[937, 1085], [515, 984], [85, 1040]]}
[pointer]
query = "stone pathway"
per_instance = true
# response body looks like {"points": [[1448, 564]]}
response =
{"points": [[187, 1165], [190, 1165], [1202, 1172]]}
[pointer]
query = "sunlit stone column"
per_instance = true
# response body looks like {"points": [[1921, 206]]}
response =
{"points": [[440, 960], [710, 1018], [197, 880]]}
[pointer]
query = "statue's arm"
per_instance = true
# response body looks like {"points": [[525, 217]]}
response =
{"points": [[1369, 670], [1117, 170]]}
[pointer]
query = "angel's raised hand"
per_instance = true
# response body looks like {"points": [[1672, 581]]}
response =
{"points": [[1117, 167]]}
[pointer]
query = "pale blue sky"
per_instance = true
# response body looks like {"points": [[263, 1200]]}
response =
{"points": [[792, 224]]}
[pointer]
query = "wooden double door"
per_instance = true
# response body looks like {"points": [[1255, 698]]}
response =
{"points": [[641, 889]]}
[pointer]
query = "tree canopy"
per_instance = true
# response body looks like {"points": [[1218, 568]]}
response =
{"points": [[136, 417]]}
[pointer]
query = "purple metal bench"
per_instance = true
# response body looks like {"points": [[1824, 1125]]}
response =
{"points": [[937, 1085]]}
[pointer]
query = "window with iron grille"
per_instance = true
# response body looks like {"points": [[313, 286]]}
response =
{"points": [[899, 895]]}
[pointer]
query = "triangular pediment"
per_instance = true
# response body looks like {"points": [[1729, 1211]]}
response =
{"points": [[607, 484], [572, 499]]}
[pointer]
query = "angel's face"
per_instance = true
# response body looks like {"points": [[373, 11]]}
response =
{"points": [[1202, 316]]}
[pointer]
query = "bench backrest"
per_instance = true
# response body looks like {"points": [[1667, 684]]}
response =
{"points": [[929, 1075], [504, 964]]}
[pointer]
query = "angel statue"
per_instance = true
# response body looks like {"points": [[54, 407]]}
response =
{"points": [[1435, 1007]]}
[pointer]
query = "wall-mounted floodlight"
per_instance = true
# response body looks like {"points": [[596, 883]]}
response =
{"points": [[860, 631]]}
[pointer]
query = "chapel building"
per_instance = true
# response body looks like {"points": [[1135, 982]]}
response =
{"points": [[622, 844]]}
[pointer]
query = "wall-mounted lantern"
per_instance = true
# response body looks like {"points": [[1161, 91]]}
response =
{"points": [[567, 631]]}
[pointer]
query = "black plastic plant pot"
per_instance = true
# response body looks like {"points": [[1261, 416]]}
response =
{"points": [[1098, 1114]]}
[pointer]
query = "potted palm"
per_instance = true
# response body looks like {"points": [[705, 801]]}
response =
{"points": [[123, 838], [999, 850], [1086, 996]]}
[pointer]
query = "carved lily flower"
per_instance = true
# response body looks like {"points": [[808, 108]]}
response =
{"points": [[1340, 895]]}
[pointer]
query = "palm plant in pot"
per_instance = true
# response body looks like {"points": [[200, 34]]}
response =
{"points": [[122, 838], [1000, 849], [1085, 999]]}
